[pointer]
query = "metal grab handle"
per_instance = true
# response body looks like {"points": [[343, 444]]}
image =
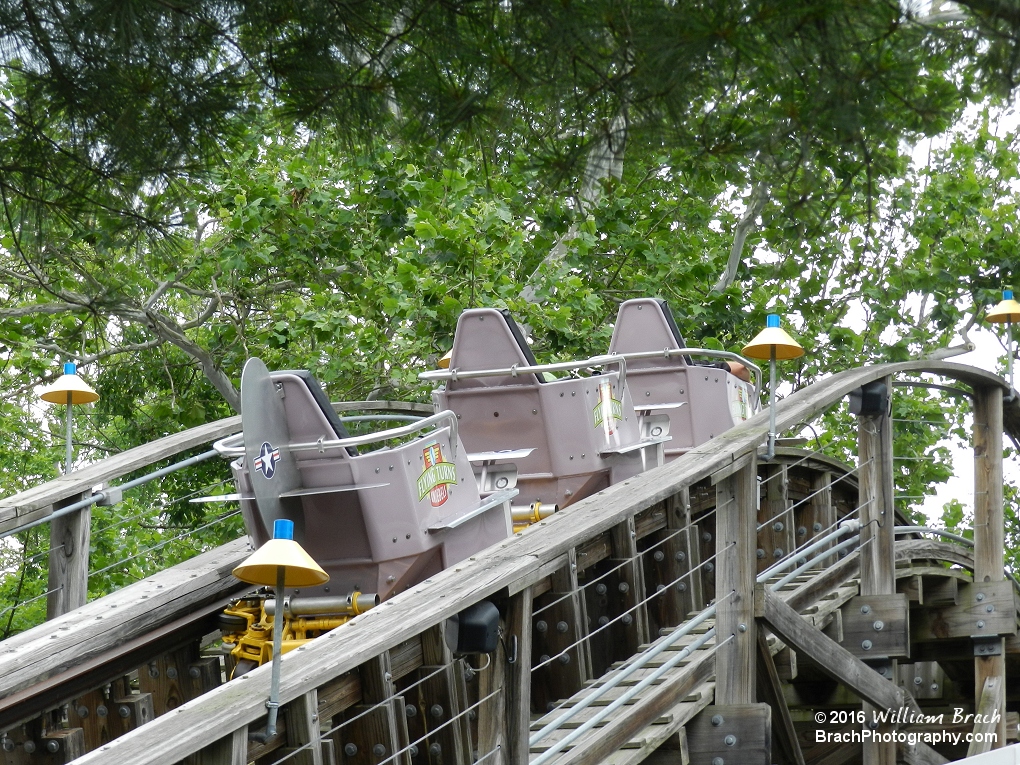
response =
{"points": [[616, 359], [670, 352], [227, 447]]}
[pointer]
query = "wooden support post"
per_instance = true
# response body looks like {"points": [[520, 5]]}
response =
{"points": [[875, 500], [878, 520], [518, 680], [731, 735], [565, 581], [229, 750], [776, 537], [991, 698], [819, 515], [989, 538], [168, 678], [68, 582], [303, 731], [631, 584], [770, 690], [680, 518], [377, 726], [440, 702], [737, 504]]}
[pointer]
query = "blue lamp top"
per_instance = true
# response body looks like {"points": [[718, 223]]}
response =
{"points": [[772, 320], [283, 529], [70, 368], [1007, 294]]}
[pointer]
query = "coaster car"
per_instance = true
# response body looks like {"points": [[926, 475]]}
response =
{"points": [[378, 521], [569, 437]]}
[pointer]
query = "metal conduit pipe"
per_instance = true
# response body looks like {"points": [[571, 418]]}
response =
{"points": [[681, 631], [100, 496], [818, 559], [845, 527], [586, 726]]}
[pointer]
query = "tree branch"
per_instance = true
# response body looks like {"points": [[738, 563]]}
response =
{"points": [[759, 196]]}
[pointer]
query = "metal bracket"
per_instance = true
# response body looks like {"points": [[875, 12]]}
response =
{"points": [[987, 645]]}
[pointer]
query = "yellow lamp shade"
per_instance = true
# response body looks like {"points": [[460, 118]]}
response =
{"points": [[773, 338], [299, 568], [1007, 309], [444, 362], [69, 382]]}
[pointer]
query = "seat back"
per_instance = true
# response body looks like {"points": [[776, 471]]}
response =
{"points": [[712, 399], [560, 420]]}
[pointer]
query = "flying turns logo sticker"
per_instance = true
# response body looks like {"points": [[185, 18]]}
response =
{"points": [[436, 475]]}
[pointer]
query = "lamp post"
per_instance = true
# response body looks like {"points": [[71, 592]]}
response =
{"points": [[773, 343], [1006, 312], [69, 389], [280, 562]]}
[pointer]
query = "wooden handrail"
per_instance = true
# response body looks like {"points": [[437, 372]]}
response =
{"points": [[508, 567]]}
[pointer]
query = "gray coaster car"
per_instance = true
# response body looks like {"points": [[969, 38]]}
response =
{"points": [[701, 401], [569, 437], [377, 521]]}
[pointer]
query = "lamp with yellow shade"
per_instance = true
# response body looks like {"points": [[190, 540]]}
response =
{"points": [[280, 562], [773, 343], [69, 389], [1006, 312]]}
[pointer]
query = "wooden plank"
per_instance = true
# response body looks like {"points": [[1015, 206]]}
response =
{"points": [[620, 729], [742, 732], [770, 690], [631, 572], [776, 521], [68, 566], [875, 501], [989, 548], [820, 513], [737, 502], [984, 609], [991, 700], [229, 750], [835, 660], [101, 632], [303, 731], [61, 746], [877, 626], [518, 682]]}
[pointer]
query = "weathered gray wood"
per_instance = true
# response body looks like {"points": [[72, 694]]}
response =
{"points": [[86, 633], [518, 682], [775, 519], [875, 491], [737, 498], [303, 730], [991, 699], [739, 733], [989, 540], [877, 626], [624, 538], [821, 513], [770, 691], [832, 657], [229, 750], [68, 580]]}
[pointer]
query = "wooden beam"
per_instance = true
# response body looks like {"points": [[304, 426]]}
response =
{"points": [[875, 500], [737, 505], [68, 579], [232, 749], [991, 699], [734, 735], [835, 660], [770, 691], [989, 537], [303, 747]]}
